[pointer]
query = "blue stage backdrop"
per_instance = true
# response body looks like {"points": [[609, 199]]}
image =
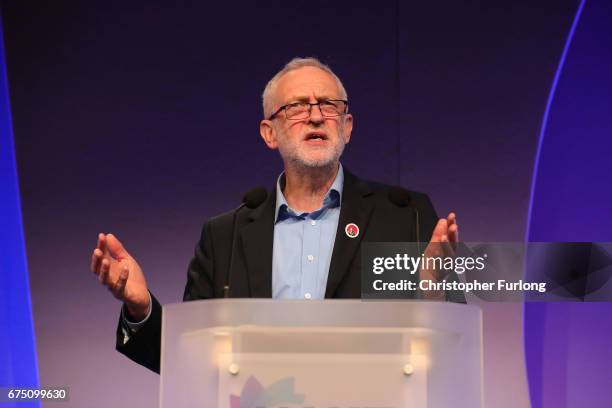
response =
{"points": [[567, 345], [17, 345]]}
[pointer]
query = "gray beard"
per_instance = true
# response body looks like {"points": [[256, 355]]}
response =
{"points": [[292, 160], [322, 163]]}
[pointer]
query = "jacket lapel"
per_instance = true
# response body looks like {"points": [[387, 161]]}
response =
{"points": [[257, 238], [354, 209]]}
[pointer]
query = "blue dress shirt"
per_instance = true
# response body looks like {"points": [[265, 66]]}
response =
{"points": [[303, 245]]}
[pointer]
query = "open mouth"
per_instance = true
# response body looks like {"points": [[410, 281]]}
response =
{"points": [[315, 137]]}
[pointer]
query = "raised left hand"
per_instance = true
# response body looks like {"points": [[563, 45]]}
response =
{"points": [[443, 243]]}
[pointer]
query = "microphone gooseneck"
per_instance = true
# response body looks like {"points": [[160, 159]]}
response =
{"points": [[252, 199]]}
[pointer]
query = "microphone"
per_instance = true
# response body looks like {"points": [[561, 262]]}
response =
{"points": [[399, 196], [252, 199], [402, 198]]}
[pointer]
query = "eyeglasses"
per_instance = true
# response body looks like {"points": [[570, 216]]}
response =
{"points": [[301, 110]]}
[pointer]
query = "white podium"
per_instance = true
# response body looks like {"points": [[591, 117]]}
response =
{"points": [[256, 353]]}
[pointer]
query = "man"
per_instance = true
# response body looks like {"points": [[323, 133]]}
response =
{"points": [[303, 240]]}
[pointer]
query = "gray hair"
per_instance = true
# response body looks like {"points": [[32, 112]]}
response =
{"points": [[294, 64]]}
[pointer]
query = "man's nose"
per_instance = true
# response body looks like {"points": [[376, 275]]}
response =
{"points": [[315, 114]]}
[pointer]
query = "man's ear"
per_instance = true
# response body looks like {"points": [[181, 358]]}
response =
{"points": [[348, 127], [268, 134]]}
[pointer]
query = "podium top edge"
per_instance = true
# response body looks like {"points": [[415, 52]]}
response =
{"points": [[324, 302]]}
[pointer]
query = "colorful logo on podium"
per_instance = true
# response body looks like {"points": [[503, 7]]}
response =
{"points": [[255, 395]]}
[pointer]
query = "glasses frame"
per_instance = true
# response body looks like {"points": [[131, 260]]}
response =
{"points": [[310, 105]]}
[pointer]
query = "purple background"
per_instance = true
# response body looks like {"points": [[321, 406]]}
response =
{"points": [[142, 119]]}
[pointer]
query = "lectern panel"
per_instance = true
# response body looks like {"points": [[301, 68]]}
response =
{"points": [[254, 353]]}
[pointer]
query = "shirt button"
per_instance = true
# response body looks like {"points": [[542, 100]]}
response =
{"points": [[307, 295], [310, 258], [313, 222]]}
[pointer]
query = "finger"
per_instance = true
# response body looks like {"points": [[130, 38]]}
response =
{"points": [[104, 271], [434, 248], [96, 261], [116, 247], [452, 219], [102, 245], [453, 235], [453, 230], [119, 287], [440, 230]]}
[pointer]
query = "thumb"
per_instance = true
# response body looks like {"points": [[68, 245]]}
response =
{"points": [[116, 247]]}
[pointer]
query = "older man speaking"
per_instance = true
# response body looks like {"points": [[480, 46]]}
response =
{"points": [[299, 242]]}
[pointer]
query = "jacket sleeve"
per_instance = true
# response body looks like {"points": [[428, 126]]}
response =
{"points": [[143, 346]]}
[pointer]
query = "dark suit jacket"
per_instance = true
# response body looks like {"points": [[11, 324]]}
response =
{"points": [[363, 203]]}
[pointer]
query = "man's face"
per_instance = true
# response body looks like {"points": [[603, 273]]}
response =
{"points": [[314, 142]]}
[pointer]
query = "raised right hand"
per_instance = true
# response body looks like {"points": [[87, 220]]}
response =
{"points": [[121, 274]]}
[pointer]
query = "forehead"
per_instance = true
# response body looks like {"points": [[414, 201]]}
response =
{"points": [[305, 82]]}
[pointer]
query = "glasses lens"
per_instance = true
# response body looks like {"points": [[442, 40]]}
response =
{"points": [[297, 111], [332, 108]]}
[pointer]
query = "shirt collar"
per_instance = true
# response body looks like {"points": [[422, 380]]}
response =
{"points": [[332, 198]]}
